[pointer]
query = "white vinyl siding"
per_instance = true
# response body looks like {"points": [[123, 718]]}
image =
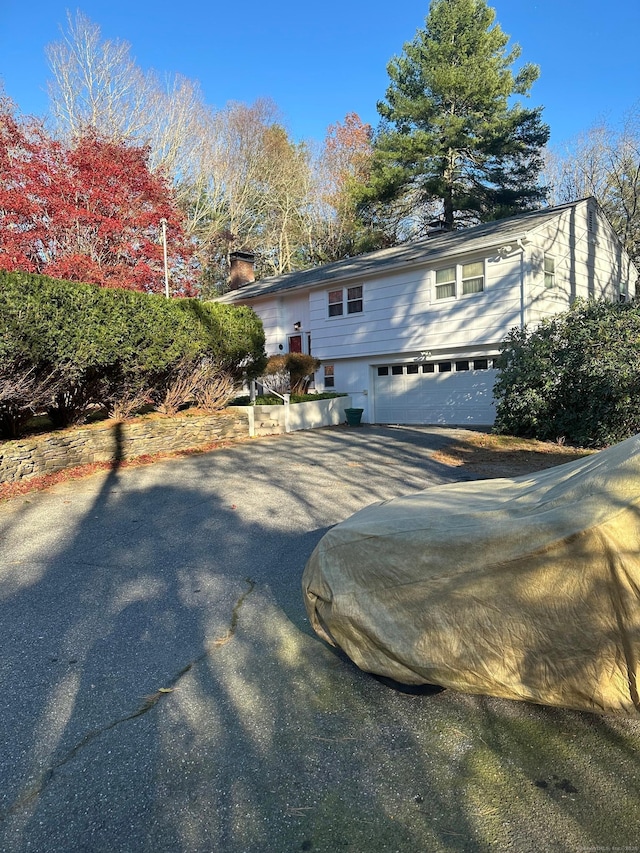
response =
{"points": [[401, 315], [575, 256]]}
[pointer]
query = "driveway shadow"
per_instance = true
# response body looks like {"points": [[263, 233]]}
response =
{"points": [[163, 691]]}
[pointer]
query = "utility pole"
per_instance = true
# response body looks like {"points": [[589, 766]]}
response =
{"points": [[163, 222]]}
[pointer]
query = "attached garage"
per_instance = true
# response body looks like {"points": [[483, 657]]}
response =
{"points": [[457, 391]]}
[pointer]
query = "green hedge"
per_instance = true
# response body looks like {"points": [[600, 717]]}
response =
{"points": [[575, 378], [64, 346]]}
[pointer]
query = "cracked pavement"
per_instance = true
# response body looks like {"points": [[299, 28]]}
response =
{"points": [[161, 689]]}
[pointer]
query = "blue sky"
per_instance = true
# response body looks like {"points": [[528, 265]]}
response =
{"points": [[320, 62]]}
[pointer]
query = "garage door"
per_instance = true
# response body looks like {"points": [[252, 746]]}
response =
{"points": [[444, 392]]}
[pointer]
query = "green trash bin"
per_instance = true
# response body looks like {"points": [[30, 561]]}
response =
{"points": [[354, 416]]}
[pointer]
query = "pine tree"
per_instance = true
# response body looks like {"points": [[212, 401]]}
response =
{"points": [[453, 146]]}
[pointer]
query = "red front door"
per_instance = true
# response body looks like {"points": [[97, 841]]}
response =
{"points": [[295, 343]]}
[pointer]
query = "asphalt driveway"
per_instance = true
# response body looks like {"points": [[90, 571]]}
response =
{"points": [[161, 690]]}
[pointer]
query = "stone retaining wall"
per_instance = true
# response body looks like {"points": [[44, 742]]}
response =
{"points": [[109, 441]]}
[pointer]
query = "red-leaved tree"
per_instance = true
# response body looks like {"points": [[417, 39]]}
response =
{"points": [[89, 211]]}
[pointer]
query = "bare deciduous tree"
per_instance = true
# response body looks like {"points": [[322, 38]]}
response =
{"points": [[239, 179], [604, 163], [96, 83]]}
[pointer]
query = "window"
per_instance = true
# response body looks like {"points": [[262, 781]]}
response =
{"points": [[429, 368], [336, 301], [412, 368], [329, 378], [445, 283], [481, 364], [396, 370], [549, 271], [461, 280], [473, 277], [354, 300], [462, 365], [383, 371], [444, 367]]}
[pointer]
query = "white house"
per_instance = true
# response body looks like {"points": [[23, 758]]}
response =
{"points": [[411, 333]]}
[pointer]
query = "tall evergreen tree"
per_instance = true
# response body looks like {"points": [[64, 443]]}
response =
{"points": [[452, 145]]}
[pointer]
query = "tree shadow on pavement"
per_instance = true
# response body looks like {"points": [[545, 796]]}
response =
{"points": [[163, 691]]}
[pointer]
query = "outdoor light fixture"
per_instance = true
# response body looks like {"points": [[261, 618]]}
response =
{"points": [[297, 326]]}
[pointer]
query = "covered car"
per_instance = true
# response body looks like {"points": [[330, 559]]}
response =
{"points": [[524, 588]]}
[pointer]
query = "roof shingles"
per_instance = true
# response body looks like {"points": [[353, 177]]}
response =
{"points": [[416, 253]]}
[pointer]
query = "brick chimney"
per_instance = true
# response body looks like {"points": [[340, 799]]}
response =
{"points": [[241, 269]]}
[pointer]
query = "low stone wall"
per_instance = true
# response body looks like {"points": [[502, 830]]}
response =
{"points": [[275, 420], [110, 441]]}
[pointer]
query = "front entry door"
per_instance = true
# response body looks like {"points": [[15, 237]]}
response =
{"points": [[295, 343]]}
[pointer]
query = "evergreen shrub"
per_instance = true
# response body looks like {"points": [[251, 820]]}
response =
{"points": [[66, 346], [575, 378]]}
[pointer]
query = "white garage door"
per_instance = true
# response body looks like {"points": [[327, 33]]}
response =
{"points": [[446, 392]]}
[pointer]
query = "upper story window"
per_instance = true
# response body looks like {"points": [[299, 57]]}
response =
{"points": [[460, 280], [473, 277], [354, 300], [549, 271], [345, 300], [445, 283], [336, 307]]}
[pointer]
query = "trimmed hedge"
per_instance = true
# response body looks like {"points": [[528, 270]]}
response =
{"points": [[65, 346]]}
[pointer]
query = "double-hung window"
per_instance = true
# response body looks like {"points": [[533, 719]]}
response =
{"points": [[473, 277], [354, 300], [345, 300], [460, 280], [336, 307], [445, 283], [549, 271]]}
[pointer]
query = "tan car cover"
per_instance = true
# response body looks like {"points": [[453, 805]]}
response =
{"points": [[525, 588]]}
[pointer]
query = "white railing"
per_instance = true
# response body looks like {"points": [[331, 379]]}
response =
{"points": [[286, 398]]}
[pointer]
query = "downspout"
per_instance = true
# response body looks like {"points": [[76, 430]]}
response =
{"points": [[521, 244]]}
